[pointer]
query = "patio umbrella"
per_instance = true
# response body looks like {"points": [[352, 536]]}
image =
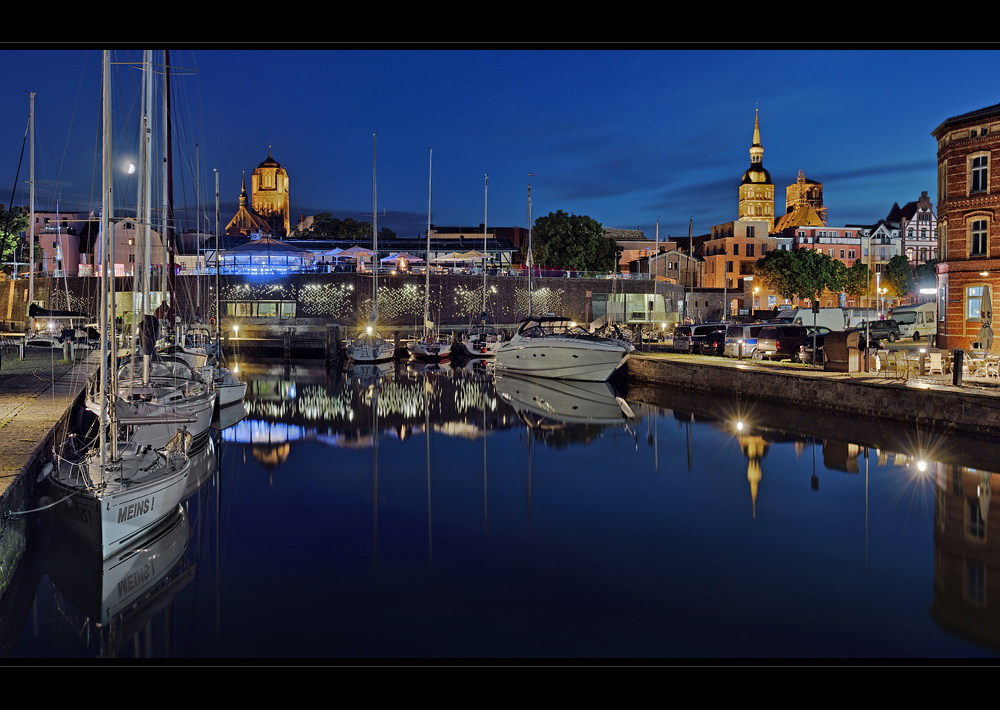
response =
{"points": [[475, 255], [334, 253], [401, 256], [453, 257], [357, 253], [986, 311]]}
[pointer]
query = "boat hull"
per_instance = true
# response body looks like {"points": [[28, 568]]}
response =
{"points": [[422, 350], [561, 358], [112, 520]]}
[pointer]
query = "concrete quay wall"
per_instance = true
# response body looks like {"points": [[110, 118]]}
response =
{"points": [[944, 408]]}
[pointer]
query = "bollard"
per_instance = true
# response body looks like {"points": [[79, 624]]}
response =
{"points": [[957, 357]]}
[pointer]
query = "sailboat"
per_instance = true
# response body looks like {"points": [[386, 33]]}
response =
{"points": [[429, 346], [483, 340], [370, 346], [113, 495]]}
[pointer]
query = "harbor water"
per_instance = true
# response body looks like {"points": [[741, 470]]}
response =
{"points": [[445, 512]]}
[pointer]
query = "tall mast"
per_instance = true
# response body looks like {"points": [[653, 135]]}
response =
{"points": [[427, 272], [486, 188], [218, 316], [31, 207], [374, 232], [531, 263]]}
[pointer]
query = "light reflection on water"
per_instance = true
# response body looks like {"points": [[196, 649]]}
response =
{"points": [[410, 512]]}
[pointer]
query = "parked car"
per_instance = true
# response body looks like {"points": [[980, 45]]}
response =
{"points": [[881, 330], [687, 338], [742, 332], [714, 343], [779, 342]]}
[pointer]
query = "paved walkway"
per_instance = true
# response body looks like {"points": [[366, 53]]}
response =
{"points": [[985, 386], [35, 393]]}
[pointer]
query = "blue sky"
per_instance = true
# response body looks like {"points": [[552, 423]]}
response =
{"points": [[626, 136]]}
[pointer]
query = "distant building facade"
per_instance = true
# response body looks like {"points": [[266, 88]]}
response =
{"points": [[266, 209]]}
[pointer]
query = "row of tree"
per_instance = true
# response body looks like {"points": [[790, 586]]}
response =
{"points": [[808, 273]]}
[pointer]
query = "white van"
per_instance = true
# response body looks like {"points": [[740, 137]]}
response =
{"points": [[832, 318], [916, 321]]}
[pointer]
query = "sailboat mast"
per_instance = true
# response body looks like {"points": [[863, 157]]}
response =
{"points": [[218, 316], [374, 229], [531, 263], [31, 199], [427, 272], [486, 188]]}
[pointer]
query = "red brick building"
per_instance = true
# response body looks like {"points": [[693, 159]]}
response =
{"points": [[968, 229]]}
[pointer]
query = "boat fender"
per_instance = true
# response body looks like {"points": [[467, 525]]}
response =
{"points": [[44, 473]]}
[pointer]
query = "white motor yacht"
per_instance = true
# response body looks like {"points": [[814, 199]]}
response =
{"points": [[554, 346]]}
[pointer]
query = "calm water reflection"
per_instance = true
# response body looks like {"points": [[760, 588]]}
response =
{"points": [[405, 512]]}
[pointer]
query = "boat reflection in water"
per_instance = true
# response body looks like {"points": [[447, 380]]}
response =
{"points": [[450, 512], [121, 605]]}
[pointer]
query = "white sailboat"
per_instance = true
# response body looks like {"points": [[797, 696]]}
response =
{"points": [[483, 339], [429, 346], [114, 495], [370, 346]]}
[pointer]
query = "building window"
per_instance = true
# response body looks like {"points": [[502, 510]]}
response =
{"points": [[977, 525], [750, 232], [973, 302], [852, 254], [749, 249], [975, 582], [842, 254], [979, 238], [980, 173]]}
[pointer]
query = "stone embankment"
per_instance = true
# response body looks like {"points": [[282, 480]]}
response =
{"points": [[925, 400]]}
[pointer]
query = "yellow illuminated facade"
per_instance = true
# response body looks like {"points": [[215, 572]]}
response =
{"points": [[756, 188]]}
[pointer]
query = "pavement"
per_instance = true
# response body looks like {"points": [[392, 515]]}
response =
{"points": [[35, 394], [911, 377]]}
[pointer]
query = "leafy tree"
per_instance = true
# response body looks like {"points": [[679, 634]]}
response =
{"points": [[566, 241], [12, 223], [898, 276], [805, 273], [858, 279], [325, 225], [778, 269], [925, 275]]}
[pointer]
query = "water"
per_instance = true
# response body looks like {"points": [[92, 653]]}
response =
{"points": [[699, 528]]}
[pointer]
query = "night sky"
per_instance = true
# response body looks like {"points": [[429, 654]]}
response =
{"points": [[627, 137]]}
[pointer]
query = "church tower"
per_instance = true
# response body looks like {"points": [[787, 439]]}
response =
{"points": [[756, 189], [269, 194]]}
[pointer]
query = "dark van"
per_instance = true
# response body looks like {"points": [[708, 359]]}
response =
{"points": [[687, 338]]}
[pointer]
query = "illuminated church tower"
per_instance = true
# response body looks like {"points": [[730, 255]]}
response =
{"points": [[269, 194], [756, 189]]}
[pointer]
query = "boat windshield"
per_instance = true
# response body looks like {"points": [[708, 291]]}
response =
{"points": [[160, 368], [543, 329]]}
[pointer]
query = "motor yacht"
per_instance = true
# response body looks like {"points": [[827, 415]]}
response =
{"points": [[555, 346]]}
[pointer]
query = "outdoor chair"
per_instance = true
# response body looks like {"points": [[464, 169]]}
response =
{"points": [[935, 363]]}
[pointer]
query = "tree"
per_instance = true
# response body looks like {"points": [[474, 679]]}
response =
{"points": [[858, 279], [925, 275], [12, 223], [805, 273], [898, 276], [568, 241]]}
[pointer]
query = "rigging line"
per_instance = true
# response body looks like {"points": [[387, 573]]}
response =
{"points": [[13, 191]]}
